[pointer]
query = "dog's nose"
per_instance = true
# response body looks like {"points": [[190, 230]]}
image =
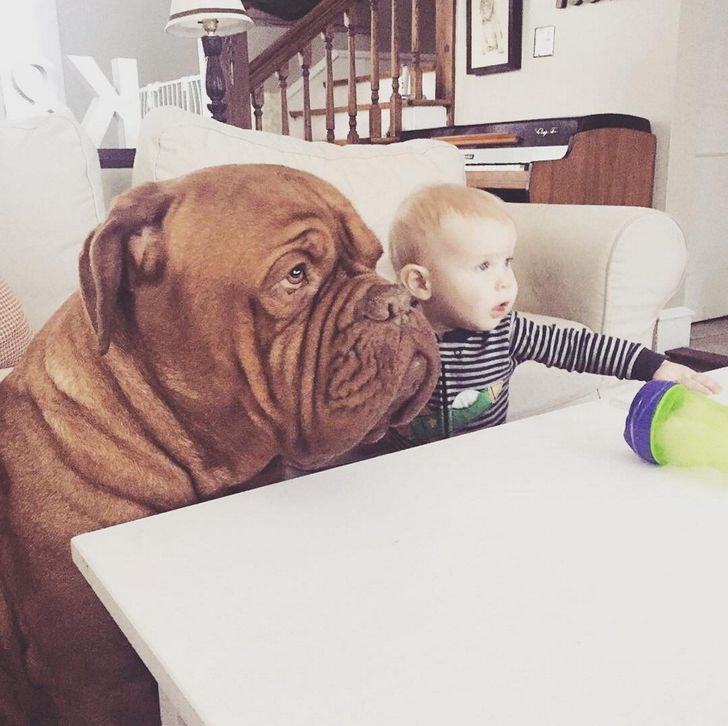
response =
{"points": [[386, 302]]}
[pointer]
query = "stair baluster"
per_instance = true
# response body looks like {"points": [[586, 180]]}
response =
{"points": [[352, 137], [416, 90], [445, 60], [304, 58], [375, 112], [328, 36], [395, 101], [282, 74], [257, 100]]}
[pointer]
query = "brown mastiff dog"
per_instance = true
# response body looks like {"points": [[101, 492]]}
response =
{"points": [[228, 321]]}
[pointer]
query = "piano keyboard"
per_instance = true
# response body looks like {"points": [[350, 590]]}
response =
{"points": [[512, 154]]}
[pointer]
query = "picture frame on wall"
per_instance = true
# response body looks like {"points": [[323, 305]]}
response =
{"points": [[494, 31]]}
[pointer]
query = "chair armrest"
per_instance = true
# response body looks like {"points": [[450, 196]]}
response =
{"points": [[610, 268]]}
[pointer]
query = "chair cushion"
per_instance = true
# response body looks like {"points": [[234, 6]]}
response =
{"points": [[376, 178], [50, 199]]}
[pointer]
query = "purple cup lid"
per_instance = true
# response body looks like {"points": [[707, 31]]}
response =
{"points": [[639, 419]]}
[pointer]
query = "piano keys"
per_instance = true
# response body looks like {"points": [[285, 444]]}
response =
{"points": [[595, 159]]}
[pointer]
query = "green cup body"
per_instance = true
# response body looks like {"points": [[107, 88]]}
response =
{"points": [[690, 429]]}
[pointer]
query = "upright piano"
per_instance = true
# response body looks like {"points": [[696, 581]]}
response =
{"points": [[604, 158]]}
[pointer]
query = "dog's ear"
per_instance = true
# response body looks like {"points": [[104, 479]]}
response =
{"points": [[130, 240]]}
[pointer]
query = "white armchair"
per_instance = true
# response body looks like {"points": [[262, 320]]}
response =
{"points": [[611, 269], [50, 198]]}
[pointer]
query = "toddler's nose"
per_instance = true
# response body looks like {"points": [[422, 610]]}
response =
{"points": [[502, 282]]}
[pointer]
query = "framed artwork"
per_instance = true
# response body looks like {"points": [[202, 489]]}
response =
{"points": [[494, 29]]}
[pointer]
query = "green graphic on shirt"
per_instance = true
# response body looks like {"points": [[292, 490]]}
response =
{"points": [[468, 406]]}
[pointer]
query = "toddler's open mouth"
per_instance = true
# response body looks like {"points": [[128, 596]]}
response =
{"points": [[500, 310]]}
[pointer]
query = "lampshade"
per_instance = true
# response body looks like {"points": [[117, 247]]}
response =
{"points": [[186, 17]]}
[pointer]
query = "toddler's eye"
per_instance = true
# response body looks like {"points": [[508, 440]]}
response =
{"points": [[295, 278], [509, 262], [484, 265]]}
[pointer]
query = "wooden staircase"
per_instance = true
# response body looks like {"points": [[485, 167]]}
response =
{"points": [[247, 79], [425, 112]]}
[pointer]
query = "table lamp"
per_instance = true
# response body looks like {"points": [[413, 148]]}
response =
{"points": [[192, 19]]}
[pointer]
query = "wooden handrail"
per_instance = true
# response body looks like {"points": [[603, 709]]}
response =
{"points": [[287, 46]]}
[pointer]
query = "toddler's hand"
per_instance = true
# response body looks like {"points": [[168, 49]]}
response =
{"points": [[687, 376]]}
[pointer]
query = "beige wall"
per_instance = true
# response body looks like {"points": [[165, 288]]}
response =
{"points": [[612, 56]]}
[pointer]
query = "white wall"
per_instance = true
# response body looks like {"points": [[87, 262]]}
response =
{"points": [[698, 165], [30, 32], [614, 56], [127, 29]]}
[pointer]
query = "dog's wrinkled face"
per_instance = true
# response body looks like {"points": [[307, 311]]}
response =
{"points": [[249, 293]]}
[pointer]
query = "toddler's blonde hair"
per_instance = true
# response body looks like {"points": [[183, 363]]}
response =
{"points": [[419, 218]]}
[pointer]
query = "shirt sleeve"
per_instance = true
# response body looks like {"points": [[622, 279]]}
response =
{"points": [[15, 333], [581, 350]]}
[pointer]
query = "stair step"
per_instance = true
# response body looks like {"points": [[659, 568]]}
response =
{"points": [[424, 67], [384, 105]]}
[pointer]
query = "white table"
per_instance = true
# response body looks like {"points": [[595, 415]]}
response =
{"points": [[536, 574]]}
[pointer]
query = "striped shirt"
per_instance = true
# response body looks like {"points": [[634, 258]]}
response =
{"points": [[476, 367]]}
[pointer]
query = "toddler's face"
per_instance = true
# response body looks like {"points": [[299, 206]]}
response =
{"points": [[473, 285]]}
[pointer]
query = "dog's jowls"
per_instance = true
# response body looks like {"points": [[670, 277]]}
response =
{"points": [[228, 321]]}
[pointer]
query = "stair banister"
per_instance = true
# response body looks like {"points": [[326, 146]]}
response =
{"points": [[273, 61], [303, 31]]}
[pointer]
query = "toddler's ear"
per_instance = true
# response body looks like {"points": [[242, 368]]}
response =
{"points": [[416, 279]]}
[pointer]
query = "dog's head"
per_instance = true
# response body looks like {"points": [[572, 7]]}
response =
{"points": [[249, 294]]}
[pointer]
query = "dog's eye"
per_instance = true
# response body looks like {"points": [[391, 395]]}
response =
{"points": [[295, 278]]}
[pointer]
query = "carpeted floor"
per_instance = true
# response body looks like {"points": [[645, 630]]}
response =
{"points": [[710, 336]]}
